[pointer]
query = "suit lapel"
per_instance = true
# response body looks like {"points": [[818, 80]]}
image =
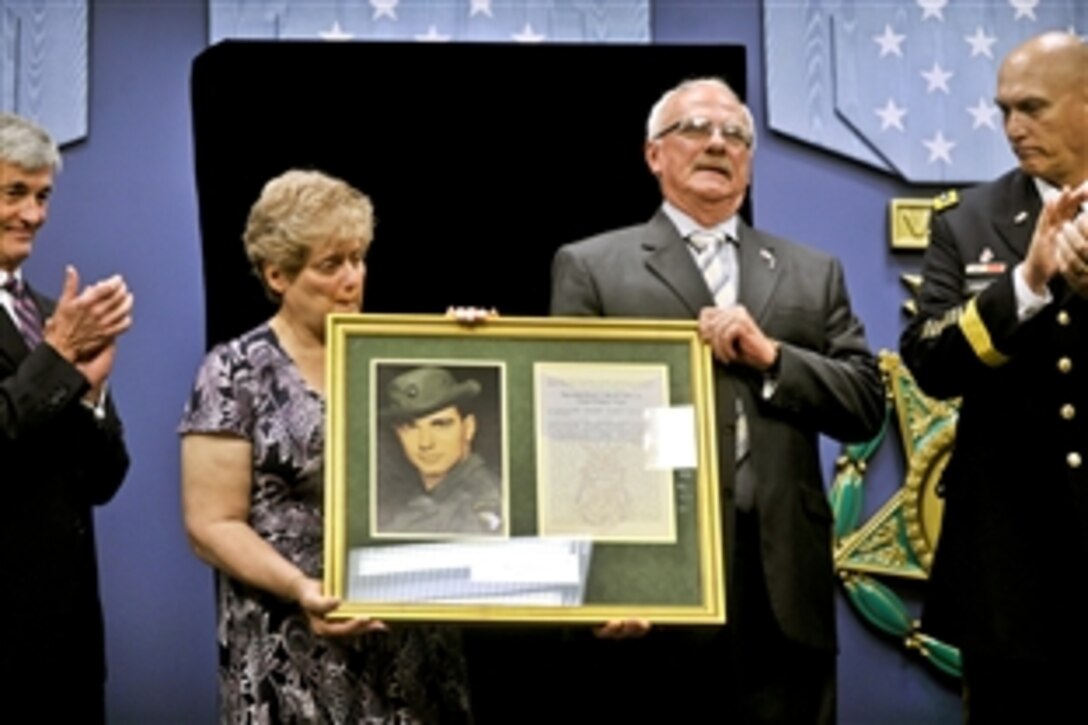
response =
{"points": [[1015, 219], [12, 346], [670, 261], [760, 270], [45, 305]]}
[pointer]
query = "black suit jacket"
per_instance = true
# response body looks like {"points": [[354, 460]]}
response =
{"points": [[828, 383], [57, 462], [1012, 549]]}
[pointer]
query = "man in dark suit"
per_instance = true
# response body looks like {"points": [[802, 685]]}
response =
{"points": [[793, 363], [60, 449], [1003, 322]]}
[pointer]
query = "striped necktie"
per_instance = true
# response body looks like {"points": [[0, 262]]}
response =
{"points": [[717, 270], [27, 318], [715, 266]]}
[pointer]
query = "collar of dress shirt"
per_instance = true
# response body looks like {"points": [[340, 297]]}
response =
{"points": [[5, 296], [685, 225], [6, 275], [1048, 191]]}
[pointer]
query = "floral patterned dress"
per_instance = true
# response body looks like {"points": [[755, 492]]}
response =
{"points": [[272, 668]]}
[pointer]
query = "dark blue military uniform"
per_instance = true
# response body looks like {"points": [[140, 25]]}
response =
{"points": [[1014, 542]]}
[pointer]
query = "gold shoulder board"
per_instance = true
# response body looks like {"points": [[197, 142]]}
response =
{"points": [[947, 200]]}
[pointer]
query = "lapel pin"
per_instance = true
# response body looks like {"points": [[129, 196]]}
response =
{"points": [[986, 256], [768, 257], [1020, 217]]}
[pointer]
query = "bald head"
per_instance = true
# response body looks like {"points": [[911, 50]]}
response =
{"points": [[1062, 54], [1042, 90]]}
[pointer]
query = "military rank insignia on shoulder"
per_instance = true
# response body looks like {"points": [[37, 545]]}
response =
{"points": [[946, 200]]}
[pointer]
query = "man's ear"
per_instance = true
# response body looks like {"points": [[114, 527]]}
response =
{"points": [[651, 151], [470, 427]]}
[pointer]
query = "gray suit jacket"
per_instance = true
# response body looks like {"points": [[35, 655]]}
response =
{"points": [[828, 383]]}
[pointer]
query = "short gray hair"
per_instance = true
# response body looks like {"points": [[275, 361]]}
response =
{"points": [[27, 145], [654, 123]]}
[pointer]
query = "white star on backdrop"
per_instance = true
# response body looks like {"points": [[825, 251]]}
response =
{"points": [[1024, 8], [939, 147], [937, 78], [432, 36], [528, 35], [335, 33], [981, 44], [386, 8], [932, 8], [480, 6], [890, 115], [882, 106], [889, 42], [983, 114], [472, 21]]}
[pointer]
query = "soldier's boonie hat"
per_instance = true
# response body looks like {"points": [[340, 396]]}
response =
{"points": [[422, 391]]}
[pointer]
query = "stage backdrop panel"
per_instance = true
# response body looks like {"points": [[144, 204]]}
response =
{"points": [[481, 158]]}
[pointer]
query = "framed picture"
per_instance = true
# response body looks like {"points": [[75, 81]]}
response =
{"points": [[521, 469], [439, 464]]}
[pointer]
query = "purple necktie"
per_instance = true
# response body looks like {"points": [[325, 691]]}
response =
{"points": [[26, 312]]}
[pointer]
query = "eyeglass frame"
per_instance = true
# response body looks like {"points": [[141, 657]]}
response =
{"points": [[693, 127]]}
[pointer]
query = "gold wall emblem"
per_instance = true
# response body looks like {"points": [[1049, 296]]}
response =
{"points": [[909, 223], [899, 540]]}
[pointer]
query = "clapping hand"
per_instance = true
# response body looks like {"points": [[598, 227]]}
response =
{"points": [[1071, 240], [1055, 248], [87, 321]]}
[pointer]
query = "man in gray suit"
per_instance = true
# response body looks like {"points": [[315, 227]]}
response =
{"points": [[793, 363]]}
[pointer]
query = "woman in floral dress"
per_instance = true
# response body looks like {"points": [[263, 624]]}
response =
{"points": [[252, 479]]}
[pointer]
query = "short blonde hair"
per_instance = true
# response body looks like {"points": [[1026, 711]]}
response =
{"points": [[298, 211]]}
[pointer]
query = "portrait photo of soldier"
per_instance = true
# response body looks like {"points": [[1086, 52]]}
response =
{"points": [[439, 451]]}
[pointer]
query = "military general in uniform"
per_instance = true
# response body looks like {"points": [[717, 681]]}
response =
{"points": [[1003, 325], [448, 489]]}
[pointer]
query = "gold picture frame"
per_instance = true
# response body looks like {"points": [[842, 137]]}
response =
{"points": [[522, 470]]}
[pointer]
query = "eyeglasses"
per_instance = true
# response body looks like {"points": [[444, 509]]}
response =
{"points": [[698, 128]]}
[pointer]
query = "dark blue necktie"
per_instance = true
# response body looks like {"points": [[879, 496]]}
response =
{"points": [[27, 318]]}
